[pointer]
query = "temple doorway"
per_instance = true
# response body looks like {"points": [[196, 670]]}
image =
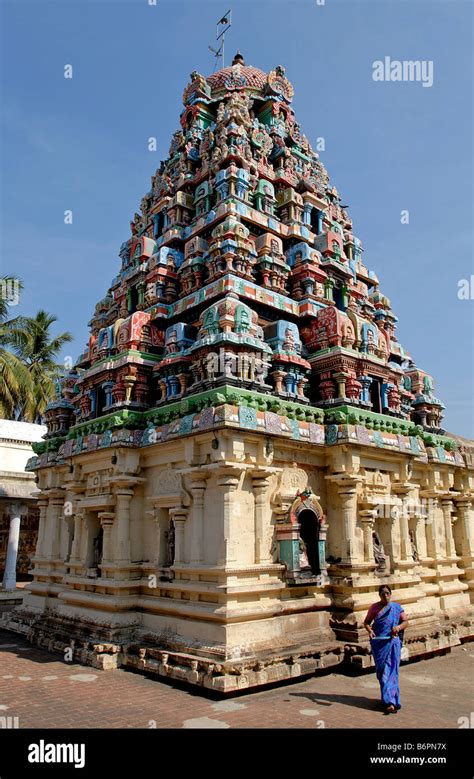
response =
{"points": [[309, 534], [95, 537], [375, 398]]}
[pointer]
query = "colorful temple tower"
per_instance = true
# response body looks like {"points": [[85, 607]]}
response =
{"points": [[245, 451]]}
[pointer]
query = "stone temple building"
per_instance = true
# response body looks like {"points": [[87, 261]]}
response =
{"points": [[244, 452], [19, 516]]}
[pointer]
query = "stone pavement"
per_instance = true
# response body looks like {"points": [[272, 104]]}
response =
{"points": [[43, 691]]}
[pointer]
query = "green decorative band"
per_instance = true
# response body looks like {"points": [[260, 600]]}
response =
{"points": [[119, 419], [235, 407], [385, 423], [238, 397], [244, 417]]}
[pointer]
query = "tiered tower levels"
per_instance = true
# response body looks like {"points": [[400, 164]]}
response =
{"points": [[242, 270]]}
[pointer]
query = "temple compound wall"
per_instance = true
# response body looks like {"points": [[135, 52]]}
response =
{"points": [[186, 560]]}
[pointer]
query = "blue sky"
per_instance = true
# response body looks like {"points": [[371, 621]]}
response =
{"points": [[81, 144]]}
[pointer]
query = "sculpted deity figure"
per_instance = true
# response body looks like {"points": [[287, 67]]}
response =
{"points": [[172, 344], [290, 164], [170, 544], [303, 555], [414, 550], [238, 108], [98, 545], [220, 112], [427, 385], [379, 552], [144, 205], [182, 166], [289, 342], [136, 224]]}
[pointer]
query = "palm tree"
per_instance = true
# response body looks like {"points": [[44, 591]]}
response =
{"points": [[38, 351], [15, 379]]}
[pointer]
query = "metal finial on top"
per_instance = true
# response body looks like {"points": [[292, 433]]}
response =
{"points": [[222, 26]]}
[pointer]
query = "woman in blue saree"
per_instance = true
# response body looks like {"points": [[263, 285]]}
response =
{"points": [[389, 621]]}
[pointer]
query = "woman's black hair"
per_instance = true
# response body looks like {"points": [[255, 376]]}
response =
{"points": [[385, 587]]}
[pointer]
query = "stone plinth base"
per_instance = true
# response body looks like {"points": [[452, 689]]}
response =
{"points": [[130, 647], [10, 599], [232, 676]]}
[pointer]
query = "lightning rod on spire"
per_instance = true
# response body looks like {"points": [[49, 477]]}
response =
{"points": [[222, 26]]}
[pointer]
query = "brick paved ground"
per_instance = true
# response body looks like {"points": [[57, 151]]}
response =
{"points": [[43, 691]]}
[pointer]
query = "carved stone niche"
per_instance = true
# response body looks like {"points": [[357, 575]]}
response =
{"points": [[301, 530], [293, 480], [168, 485], [98, 482], [168, 508], [376, 482]]}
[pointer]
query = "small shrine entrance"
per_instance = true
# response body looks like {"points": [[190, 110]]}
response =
{"points": [[94, 547], [309, 534], [302, 541]]}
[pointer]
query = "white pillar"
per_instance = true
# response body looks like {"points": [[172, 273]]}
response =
{"points": [[9, 577]]}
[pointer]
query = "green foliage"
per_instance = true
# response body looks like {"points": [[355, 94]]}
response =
{"points": [[28, 363]]}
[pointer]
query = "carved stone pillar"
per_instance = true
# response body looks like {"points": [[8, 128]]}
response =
{"points": [[447, 508], [56, 514], [420, 534], [42, 504], [77, 541], [158, 540], [405, 543], [155, 513], [178, 515], [123, 497], [347, 492], [466, 527], [228, 478], [198, 491], [278, 377], [158, 522], [301, 385], [433, 540], [402, 489], [341, 379], [107, 521], [367, 520], [260, 482], [465, 540]]}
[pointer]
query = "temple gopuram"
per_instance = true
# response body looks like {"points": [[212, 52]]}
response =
{"points": [[245, 452]]}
